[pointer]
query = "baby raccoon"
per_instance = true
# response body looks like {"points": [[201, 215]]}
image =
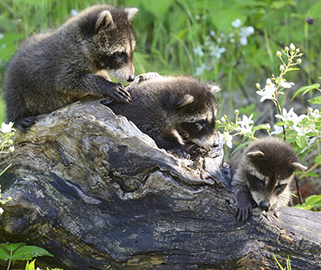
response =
{"points": [[56, 68], [174, 111], [263, 172]]}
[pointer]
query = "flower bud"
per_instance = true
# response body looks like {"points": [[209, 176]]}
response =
{"points": [[286, 49], [237, 112], [282, 68], [292, 47], [278, 54], [258, 86], [299, 61]]}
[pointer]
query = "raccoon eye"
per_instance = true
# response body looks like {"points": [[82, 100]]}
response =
{"points": [[201, 124], [121, 55], [255, 182], [280, 188]]}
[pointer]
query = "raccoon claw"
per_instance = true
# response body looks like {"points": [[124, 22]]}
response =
{"points": [[243, 214], [119, 93], [25, 122]]}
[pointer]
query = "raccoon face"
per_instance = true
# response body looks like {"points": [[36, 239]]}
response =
{"points": [[270, 170], [199, 131], [268, 192], [115, 43], [196, 117]]}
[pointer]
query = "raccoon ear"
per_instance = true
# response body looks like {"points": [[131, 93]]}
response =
{"points": [[130, 12], [214, 88], [187, 99], [104, 19], [255, 154], [299, 166]]}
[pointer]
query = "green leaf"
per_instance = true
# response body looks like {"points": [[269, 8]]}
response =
{"points": [[306, 89], [313, 200], [12, 246], [29, 252], [4, 254], [262, 126], [31, 265], [311, 174], [318, 159], [316, 100], [300, 140]]}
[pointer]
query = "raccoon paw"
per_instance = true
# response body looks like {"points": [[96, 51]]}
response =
{"points": [[244, 207], [118, 92], [25, 122]]}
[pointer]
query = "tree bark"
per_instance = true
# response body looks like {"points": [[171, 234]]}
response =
{"points": [[97, 193]]}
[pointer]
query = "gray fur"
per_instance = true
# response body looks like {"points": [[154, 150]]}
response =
{"points": [[169, 109], [263, 173], [56, 68]]}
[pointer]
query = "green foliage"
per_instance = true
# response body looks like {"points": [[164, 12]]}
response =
{"points": [[288, 263], [313, 203], [21, 252]]}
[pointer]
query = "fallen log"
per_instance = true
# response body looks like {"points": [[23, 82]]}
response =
{"points": [[97, 193]]}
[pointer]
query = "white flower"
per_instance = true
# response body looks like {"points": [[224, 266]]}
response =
{"points": [[1, 211], [243, 40], [245, 124], [285, 84], [200, 70], [268, 91], [247, 31], [11, 149], [6, 128], [290, 116], [216, 51], [314, 113], [73, 12], [277, 130], [237, 23], [226, 138], [244, 33], [198, 51], [282, 68]]}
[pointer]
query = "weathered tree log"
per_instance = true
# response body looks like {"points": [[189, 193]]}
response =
{"points": [[97, 193]]}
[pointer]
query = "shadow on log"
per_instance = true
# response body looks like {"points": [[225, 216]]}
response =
{"points": [[97, 193]]}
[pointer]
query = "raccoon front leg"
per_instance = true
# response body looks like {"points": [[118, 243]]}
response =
{"points": [[25, 122], [244, 205], [98, 85]]}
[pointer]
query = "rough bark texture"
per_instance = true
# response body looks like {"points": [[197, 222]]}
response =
{"points": [[98, 194]]}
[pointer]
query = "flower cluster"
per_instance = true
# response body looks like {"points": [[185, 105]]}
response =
{"points": [[242, 126], [303, 130], [6, 138], [276, 86], [216, 44]]}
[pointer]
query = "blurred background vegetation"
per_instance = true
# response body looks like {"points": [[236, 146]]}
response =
{"points": [[229, 42]]}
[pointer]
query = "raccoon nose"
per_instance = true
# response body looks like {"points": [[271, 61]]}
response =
{"points": [[130, 78], [264, 206]]}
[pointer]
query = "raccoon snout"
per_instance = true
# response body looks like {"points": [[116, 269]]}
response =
{"points": [[131, 78], [264, 206]]}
